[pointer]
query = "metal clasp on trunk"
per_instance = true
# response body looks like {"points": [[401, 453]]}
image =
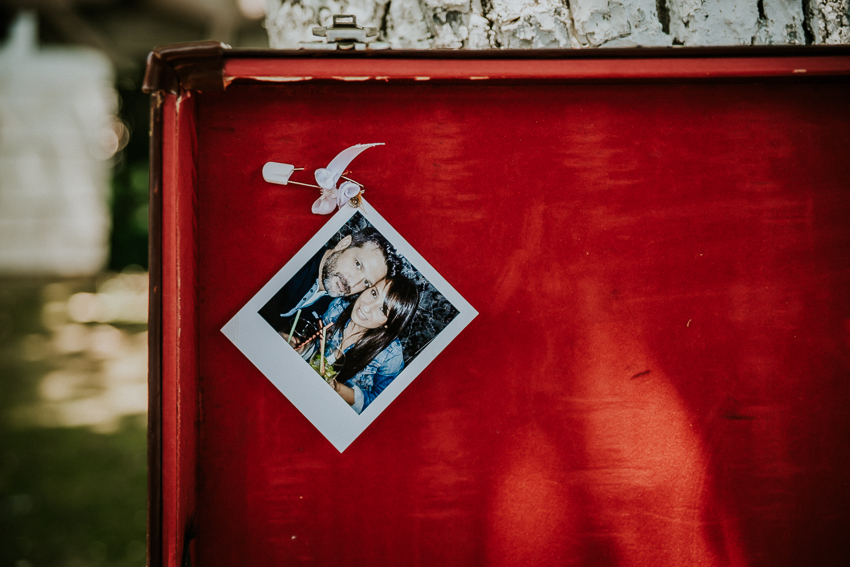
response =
{"points": [[345, 34]]}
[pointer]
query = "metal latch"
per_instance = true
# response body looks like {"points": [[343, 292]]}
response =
{"points": [[345, 34]]}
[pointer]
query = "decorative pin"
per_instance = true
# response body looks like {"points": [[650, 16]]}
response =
{"points": [[327, 178]]}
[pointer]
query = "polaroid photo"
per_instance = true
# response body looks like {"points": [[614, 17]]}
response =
{"points": [[348, 323]]}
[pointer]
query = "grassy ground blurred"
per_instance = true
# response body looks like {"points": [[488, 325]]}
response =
{"points": [[72, 421]]}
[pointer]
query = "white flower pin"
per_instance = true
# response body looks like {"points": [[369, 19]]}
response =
{"points": [[327, 179]]}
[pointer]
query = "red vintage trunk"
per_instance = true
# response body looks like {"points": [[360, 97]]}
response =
{"points": [[658, 246]]}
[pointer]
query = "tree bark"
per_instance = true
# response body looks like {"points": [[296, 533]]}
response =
{"points": [[519, 24]]}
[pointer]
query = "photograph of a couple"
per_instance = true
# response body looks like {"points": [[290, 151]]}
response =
{"points": [[348, 322], [358, 312]]}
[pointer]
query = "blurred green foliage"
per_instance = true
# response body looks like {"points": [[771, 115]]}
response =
{"points": [[129, 202], [72, 497], [68, 496]]}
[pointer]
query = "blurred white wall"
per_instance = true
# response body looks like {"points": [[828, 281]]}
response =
{"points": [[58, 132]]}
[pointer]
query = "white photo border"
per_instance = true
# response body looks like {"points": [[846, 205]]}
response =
{"points": [[294, 377]]}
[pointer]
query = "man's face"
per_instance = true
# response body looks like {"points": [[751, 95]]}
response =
{"points": [[352, 270]]}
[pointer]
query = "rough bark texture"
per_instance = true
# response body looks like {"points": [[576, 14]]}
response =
{"points": [[828, 21], [512, 24]]}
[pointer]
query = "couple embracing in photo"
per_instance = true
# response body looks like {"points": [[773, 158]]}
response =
{"points": [[357, 298]]}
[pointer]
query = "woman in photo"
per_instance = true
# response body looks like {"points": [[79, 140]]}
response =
{"points": [[362, 345]]}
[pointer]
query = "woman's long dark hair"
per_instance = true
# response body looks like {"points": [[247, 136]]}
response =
{"points": [[401, 299]]}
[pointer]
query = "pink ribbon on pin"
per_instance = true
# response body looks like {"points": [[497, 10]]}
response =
{"points": [[328, 177]]}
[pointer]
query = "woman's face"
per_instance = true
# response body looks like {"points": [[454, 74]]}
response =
{"points": [[368, 309]]}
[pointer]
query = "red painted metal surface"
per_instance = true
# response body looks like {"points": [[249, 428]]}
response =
{"points": [[660, 370], [179, 325], [547, 69]]}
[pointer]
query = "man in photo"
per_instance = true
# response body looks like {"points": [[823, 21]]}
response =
{"points": [[357, 262]]}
